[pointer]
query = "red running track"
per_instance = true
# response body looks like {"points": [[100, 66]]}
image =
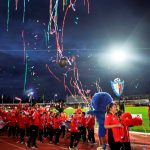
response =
{"points": [[138, 142]]}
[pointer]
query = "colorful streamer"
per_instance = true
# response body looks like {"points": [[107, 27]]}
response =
{"points": [[16, 5], [45, 34], [8, 7], [50, 15], [88, 6], [25, 75], [25, 61], [24, 9], [52, 73], [24, 46]]}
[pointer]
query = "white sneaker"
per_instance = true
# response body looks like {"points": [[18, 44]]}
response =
{"points": [[99, 148], [34, 147], [70, 148], [76, 148], [95, 143]]}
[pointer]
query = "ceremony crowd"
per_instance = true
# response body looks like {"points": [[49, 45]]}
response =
{"points": [[27, 124], [40, 123]]}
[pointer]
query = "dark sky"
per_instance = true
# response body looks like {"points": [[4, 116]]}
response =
{"points": [[88, 37]]}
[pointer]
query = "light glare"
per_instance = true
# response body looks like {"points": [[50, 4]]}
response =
{"points": [[119, 56]]}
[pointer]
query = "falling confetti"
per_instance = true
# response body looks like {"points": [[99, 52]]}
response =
{"points": [[25, 75], [8, 7], [16, 5], [24, 10]]}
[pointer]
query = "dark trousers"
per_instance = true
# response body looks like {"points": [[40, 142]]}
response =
{"points": [[33, 135], [91, 136], [82, 130], [45, 131], [50, 133], [27, 131], [75, 137], [57, 135], [12, 131], [120, 146], [17, 131], [115, 145], [22, 134], [126, 146], [41, 135], [63, 130]]}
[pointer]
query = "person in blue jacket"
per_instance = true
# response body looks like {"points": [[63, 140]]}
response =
{"points": [[99, 103]]}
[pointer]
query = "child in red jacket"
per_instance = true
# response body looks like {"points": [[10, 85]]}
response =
{"points": [[63, 127], [34, 128], [41, 127], [57, 124], [82, 125], [22, 121], [90, 127], [12, 125], [75, 137], [49, 126]]}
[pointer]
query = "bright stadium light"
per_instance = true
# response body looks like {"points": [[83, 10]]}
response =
{"points": [[119, 56]]}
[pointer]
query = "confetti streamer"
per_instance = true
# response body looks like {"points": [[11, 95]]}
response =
{"points": [[16, 5], [50, 14], [73, 86], [77, 85], [24, 9], [56, 15], [97, 84], [45, 34], [65, 82], [52, 73], [8, 7], [64, 4], [48, 32], [63, 25], [24, 46], [88, 6], [84, 2], [25, 74], [25, 61], [70, 92]]}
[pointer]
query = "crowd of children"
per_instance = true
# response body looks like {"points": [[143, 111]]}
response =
{"points": [[39, 123]]}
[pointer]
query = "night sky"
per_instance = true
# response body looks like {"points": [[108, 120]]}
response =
{"points": [[87, 37]]}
